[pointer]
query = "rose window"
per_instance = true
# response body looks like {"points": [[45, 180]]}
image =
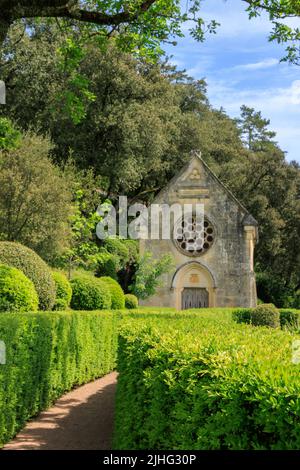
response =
{"points": [[193, 238]]}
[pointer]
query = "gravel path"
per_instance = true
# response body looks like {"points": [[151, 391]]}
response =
{"points": [[81, 419]]}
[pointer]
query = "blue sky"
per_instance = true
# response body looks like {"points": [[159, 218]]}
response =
{"points": [[242, 67]]}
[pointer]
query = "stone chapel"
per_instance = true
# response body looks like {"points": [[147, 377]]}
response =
{"points": [[221, 272]]}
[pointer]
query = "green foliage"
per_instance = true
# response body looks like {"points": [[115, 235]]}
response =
{"points": [[289, 318], [116, 292], [83, 251], [9, 135], [17, 292], [77, 96], [35, 202], [147, 277], [265, 315], [272, 289], [107, 265], [89, 293], [48, 354], [296, 299], [131, 301], [63, 291], [25, 259], [242, 315], [208, 384], [254, 128]]}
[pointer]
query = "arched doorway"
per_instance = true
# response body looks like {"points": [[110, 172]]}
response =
{"points": [[194, 286]]}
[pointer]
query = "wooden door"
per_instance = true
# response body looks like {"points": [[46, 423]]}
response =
{"points": [[194, 297]]}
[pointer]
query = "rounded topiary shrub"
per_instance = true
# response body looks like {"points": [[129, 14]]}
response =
{"points": [[17, 292], [25, 259], [63, 291], [131, 301], [89, 293], [265, 315], [116, 292]]}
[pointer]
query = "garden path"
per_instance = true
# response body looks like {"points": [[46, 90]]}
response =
{"points": [[81, 419]]}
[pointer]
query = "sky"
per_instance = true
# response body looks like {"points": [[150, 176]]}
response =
{"points": [[241, 67]]}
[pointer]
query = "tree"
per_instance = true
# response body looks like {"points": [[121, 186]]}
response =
{"points": [[144, 24], [9, 135], [141, 24], [35, 202], [148, 274], [142, 125], [254, 128]]}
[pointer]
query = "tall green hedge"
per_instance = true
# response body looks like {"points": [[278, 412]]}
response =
{"points": [[25, 259], [46, 355], [205, 382]]}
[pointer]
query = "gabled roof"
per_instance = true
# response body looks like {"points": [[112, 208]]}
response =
{"points": [[196, 155]]}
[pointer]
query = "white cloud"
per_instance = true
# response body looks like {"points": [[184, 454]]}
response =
{"points": [[263, 64]]}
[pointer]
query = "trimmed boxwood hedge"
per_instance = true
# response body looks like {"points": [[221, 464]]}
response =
{"points": [[89, 293], [198, 382], [25, 259], [63, 291], [116, 292], [48, 354], [289, 317], [131, 301], [17, 292]]}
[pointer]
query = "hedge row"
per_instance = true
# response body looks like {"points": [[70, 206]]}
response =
{"points": [[205, 382], [46, 355], [289, 318]]}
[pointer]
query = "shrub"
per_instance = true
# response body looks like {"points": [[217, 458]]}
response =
{"points": [[296, 300], [131, 301], [89, 293], [242, 315], [63, 291], [107, 265], [289, 318], [17, 292], [265, 315], [25, 259], [271, 289], [48, 354], [116, 292], [207, 383]]}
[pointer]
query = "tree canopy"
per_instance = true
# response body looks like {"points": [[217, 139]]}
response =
{"points": [[142, 25]]}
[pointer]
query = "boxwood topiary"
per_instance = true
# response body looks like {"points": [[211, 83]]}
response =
{"points": [[25, 259], [116, 291], [131, 301], [265, 315], [17, 292], [89, 293], [63, 291]]}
